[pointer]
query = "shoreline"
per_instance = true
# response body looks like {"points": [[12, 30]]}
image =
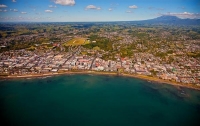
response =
{"points": [[138, 76]]}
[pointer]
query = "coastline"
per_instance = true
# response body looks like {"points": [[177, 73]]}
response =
{"points": [[138, 76]]}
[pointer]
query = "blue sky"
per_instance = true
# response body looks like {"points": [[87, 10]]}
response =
{"points": [[95, 10]]}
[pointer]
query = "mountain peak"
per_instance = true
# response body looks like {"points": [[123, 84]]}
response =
{"points": [[174, 20], [167, 17]]}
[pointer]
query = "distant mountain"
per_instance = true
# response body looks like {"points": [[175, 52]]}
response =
{"points": [[170, 20], [166, 18]]}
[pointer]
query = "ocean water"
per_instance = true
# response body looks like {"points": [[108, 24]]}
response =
{"points": [[96, 100]]}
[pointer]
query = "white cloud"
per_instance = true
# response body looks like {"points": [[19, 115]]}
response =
{"points": [[14, 1], [65, 2], [51, 6], [3, 10], [3, 6], [48, 11], [15, 10], [185, 15], [23, 12], [128, 11], [92, 7], [133, 7], [110, 9]]}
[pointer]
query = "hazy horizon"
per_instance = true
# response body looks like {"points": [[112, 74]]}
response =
{"points": [[95, 11]]}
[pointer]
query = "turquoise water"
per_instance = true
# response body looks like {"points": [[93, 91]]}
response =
{"points": [[92, 100]]}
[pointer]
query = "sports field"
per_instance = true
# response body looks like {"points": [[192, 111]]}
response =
{"points": [[76, 41]]}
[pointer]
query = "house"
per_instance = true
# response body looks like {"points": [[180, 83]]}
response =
{"points": [[54, 70]]}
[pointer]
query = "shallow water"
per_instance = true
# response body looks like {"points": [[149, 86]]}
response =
{"points": [[94, 100]]}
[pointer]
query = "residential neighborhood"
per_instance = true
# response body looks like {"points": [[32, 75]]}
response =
{"points": [[134, 50]]}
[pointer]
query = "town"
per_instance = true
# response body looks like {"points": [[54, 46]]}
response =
{"points": [[165, 52]]}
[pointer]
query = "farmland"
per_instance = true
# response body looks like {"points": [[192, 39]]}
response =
{"points": [[76, 41]]}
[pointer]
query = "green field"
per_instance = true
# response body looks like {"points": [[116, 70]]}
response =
{"points": [[76, 41]]}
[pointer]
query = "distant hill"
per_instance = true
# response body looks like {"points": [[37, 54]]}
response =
{"points": [[170, 20]]}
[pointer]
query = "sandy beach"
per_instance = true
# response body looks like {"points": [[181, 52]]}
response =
{"points": [[143, 77]]}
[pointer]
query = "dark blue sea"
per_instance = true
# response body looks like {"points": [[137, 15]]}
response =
{"points": [[96, 100]]}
